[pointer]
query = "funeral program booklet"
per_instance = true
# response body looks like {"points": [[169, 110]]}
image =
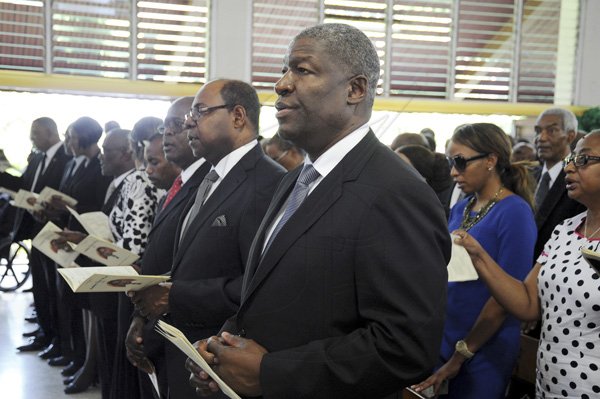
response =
{"points": [[176, 337], [108, 279], [94, 223], [104, 252], [48, 192], [27, 200], [48, 242]]}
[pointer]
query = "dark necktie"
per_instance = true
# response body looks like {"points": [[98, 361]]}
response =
{"points": [[201, 195], [308, 175], [173, 191], [38, 173], [542, 190]]}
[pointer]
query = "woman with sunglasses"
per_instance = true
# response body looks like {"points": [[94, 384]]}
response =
{"points": [[562, 290], [481, 343]]}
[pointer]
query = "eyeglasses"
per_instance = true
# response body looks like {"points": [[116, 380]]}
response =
{"points": [[579, 160], [175, 126], [198, 112], [280, 156], [460, 163]]}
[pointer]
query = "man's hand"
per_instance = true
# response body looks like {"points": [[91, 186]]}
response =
{"points": [[153, 301], [72, 236], [54, 209], [237, 361], [199, 379], [134, 344], [39, 216]]}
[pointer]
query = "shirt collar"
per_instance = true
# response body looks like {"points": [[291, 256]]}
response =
{"points": [[119, 179], [50, 152], [230, 160], [187, 173], [330, 158]]}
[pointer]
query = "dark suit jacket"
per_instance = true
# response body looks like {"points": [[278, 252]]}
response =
{"points": [[209, 260], [158, 255], [556, 207], [51, 177], [349, 299]]}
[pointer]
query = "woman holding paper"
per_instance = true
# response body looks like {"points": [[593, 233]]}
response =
{"points": [[562, 289], [480, 343]]}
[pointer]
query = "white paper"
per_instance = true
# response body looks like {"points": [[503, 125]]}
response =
{"points": [[460, 267], [94, 223], [46, 241], [104, 252], [27, 200], [48, 192]]}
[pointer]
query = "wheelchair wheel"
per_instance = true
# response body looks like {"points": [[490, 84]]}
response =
{"points": [[14, 265]]}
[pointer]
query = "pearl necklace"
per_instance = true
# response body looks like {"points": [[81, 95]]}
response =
{"points": [[469, 221]]}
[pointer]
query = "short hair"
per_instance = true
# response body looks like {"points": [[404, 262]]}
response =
{"points": [[236, 92], [350, 48], [48, 123], [123, 135], [431, 165], [142, 131], [569, 120], [88, 131], [409, 139], [110, 125], [284, 145]]}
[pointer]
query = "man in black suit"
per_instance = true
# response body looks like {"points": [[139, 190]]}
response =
{"points": [[142, 342], [45, 169], [217, 227], [555, 129], [345, 296]]}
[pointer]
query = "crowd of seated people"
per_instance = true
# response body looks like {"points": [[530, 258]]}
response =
{"points": [[315, 266]]}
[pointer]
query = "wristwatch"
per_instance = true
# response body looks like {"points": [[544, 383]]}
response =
{"points": [[461, 347]]}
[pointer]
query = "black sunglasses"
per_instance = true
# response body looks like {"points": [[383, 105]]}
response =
{"points": [[460, 163]]}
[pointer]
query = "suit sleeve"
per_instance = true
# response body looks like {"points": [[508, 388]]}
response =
{"points": [[401, 255]]}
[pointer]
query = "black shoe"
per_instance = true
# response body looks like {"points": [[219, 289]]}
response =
{"points": [[71, 369], [49, 352], [30, 289], [78, 385], [32, 319], [69, 379], [61, 361], [33, 333], [34, 345]]}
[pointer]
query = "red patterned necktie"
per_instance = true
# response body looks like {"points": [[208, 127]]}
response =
{"points": [[173, 191]]}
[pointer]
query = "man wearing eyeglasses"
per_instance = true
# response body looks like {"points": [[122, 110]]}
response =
{"points": [[284, 152], [143, 344], [217, 226], [555, 129]]}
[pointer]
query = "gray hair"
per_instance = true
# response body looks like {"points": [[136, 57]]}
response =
{"points": [[568, 118], [350, 48]]}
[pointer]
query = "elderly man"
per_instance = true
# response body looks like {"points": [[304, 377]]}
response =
{"points": [[555, 128], [144, 346], [217, 227], [345, 287]]}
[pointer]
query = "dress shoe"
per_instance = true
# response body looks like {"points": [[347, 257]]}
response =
{"points": [[32, 319], [33, 333], [71, 369], [78, 385], [69, 379], [30, 289], [61, 361], [49, 352], [34, 345]]}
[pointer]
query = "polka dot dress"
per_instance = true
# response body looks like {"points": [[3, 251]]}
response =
{"points": [[568, 363]]}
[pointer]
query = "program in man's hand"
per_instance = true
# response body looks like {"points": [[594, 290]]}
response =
{"points": [[108, 279], [177, 338]]}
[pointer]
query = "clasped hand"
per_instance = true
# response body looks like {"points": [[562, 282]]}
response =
{"points": [[236, 361], [153, 301]]}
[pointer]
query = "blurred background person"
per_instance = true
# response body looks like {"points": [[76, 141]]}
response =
{"points": [[498, 213], [284, 152], [434, 168], [562, 289], [523, 151], [407, 139]]}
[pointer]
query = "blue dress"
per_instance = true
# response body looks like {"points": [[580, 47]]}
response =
{"points": [[508, 233]]}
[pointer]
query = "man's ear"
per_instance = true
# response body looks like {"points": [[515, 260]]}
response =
{"points": [[240, 118], [357, 89], [571, 136]]}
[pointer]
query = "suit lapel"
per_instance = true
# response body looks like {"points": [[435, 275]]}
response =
{"points": [[230, 183], [311, 210], [552, 198]]}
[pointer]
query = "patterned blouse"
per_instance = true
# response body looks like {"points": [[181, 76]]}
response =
{"points": [[133, 213]]}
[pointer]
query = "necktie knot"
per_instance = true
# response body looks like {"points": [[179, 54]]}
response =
{"points": [[212, 176], [308, 175]]}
